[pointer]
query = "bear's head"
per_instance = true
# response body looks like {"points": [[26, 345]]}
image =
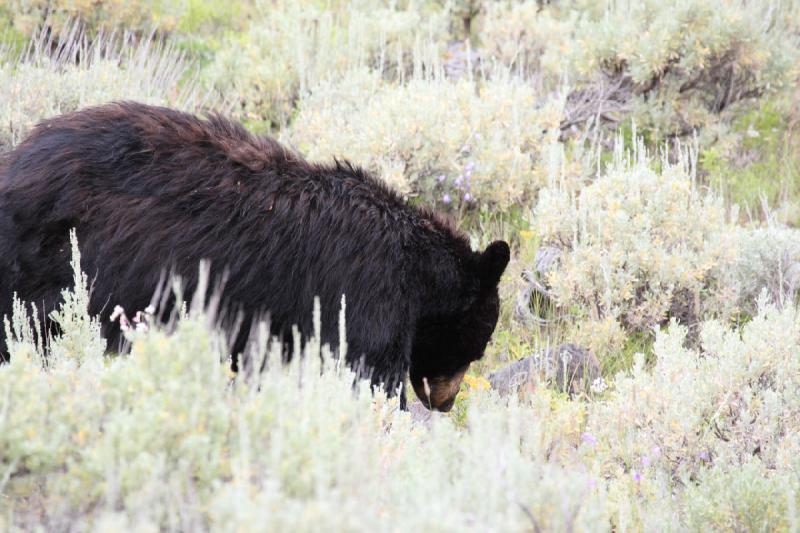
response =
{"points": [[446, 344]]}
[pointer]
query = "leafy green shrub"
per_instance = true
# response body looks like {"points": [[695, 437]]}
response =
{"points": [[44, 83], [437, 138]]}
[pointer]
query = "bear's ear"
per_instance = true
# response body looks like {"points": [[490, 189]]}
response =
{"points": [[493, 262]]}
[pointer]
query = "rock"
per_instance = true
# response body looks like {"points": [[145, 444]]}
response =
{"points": [[419, 413], [566, 367], [460, 60], [535, 295], [546, 259]]}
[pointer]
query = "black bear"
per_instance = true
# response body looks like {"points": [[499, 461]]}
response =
{"points": [[150, 189]]}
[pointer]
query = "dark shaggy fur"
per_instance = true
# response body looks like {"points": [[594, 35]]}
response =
{"points": [[150, 189]]}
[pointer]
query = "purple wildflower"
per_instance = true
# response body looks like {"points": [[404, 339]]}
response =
{"points": [[470, 166], [440, 179], [459, 180], [645, 461], [467, 197], [446, 198], [637, 476], [656, 451], [589, 439], [704, 456]]}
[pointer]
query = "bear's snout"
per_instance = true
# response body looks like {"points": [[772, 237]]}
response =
{"points": [[446, 406], [439, 393]]}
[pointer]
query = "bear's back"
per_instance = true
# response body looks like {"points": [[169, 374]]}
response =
{"points": [[133, 149]]}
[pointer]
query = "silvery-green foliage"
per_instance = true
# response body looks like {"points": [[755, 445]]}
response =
{"points": [[26, 16], [166, 438], [45, 83], [687, 61], [724, 411], [79, 335], [433, 137], [23, 335], [675, 67], [747, 498], [767, 259], [293, 45], [639, 244], [527, 37], [76, 335]]}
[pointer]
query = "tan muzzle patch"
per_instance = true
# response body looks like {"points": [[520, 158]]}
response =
{"points": [[440, 393]]}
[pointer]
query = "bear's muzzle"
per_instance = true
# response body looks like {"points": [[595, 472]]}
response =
{"points": [[439, 393]]}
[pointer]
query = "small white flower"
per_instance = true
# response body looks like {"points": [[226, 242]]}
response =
{"points": [[598, 386]]}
